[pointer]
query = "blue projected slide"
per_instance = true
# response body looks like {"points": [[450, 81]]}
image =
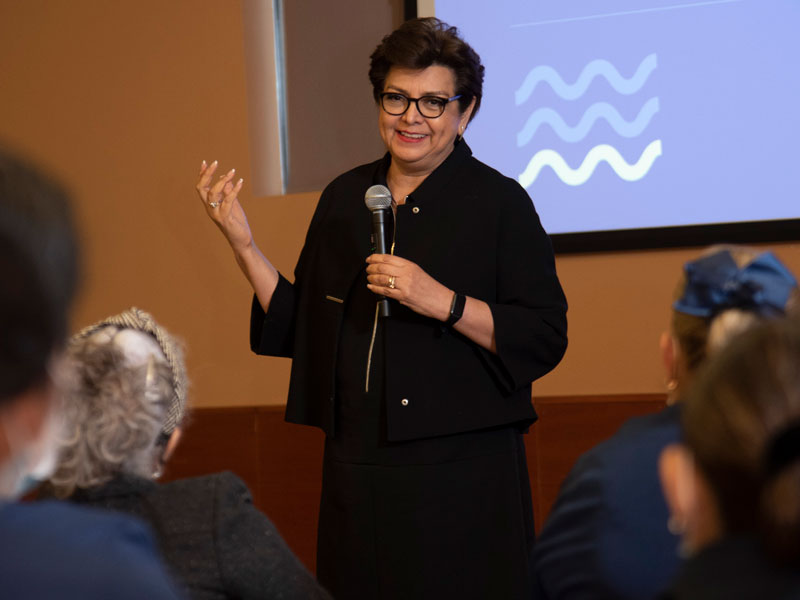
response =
{"points": [[634, 114]]}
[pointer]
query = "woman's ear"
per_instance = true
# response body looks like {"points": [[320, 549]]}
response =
{"points": [[669, 355], [673, 471], [464, 121], [693, 511], [172, 443]]}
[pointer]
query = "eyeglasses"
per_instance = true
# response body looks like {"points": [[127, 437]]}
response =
{"points": [[429, 107]]}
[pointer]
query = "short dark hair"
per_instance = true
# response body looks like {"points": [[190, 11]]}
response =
{"points": [[38, 270], [421, 43]]}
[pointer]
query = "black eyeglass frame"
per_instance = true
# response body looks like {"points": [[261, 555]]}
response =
{"points": [[416, 103]]}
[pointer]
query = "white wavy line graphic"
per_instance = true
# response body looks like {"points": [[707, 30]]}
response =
{"points": [[600, 110], [596, 68], [598, 154]]}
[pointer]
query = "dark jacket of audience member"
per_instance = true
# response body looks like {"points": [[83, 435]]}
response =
{"points": [[211, 534]]}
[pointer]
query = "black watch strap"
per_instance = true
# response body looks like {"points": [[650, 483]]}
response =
{"points": [[456, 309]]}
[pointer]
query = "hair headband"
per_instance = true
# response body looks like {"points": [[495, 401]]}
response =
{"points": [[139, 320], [715, 283]]}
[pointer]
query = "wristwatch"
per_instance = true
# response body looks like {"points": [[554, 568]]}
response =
{"points": [[456, 309]]}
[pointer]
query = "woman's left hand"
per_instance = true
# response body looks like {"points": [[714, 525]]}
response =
{"points": [[406, 282]]}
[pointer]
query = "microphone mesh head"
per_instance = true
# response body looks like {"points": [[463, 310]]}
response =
{"points": [[378, 197]]}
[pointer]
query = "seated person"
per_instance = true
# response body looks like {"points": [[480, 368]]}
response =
{"points": [[49, 549], [122, 423], [606, 536], [733, 485]]}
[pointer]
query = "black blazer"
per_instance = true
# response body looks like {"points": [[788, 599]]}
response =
{"points": [[473, 230], [211, 536]]}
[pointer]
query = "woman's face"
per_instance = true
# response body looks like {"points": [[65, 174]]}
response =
{"points": [[417, 144]]}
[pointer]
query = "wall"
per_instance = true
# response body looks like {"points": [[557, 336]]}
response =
{"points": [[123, 99]]}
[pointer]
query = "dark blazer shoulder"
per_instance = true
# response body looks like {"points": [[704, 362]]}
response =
{"points": [[356, 176], [202, 493]]}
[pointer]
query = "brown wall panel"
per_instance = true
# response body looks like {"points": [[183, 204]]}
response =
{"points": [[282, 463], [291, 479]]}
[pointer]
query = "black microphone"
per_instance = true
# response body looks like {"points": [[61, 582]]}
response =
{"points": [[379, 201]]}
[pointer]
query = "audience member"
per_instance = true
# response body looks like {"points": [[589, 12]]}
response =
{"points": [[606, 536], [48, 549], [733, 485], [122, 423]]}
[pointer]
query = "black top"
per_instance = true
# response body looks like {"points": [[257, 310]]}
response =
{"points": [[473, 230], [213, 538]]}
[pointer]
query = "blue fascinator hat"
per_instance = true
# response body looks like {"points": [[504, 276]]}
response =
{"points": [[715, 283]]}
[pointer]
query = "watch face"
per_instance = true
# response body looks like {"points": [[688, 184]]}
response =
{"points": [[456, 308]]}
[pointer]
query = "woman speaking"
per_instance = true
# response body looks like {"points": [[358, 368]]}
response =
{"points": [[425, 490]]}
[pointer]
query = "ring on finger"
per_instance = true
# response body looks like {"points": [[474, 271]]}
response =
{"points": [[391, 282], [213, 204]]}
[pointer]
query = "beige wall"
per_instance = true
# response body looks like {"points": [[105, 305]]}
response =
{"points": [[123, 99]]}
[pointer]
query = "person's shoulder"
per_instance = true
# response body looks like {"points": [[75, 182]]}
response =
{"points": [[486, 182], [87, 550], [71, 521], [356, 177], [210, 481], [655, 429], [78, 528], [480, 171], [204, 493]]}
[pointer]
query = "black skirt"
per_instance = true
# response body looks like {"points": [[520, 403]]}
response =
{"points": [[446, 517]]}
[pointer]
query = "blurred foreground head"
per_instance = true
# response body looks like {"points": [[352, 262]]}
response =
{"points": [[38, 270], [38, 279]]}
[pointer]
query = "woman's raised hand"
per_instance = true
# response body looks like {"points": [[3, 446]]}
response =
{"points": [[221, 201], [222, 204]]}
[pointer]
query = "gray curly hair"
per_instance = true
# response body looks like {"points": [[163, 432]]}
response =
{"points": [[139, 320], [127, 396]]}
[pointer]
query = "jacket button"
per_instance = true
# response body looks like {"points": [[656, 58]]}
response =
{"points": [[404, 401], [415, 210]]}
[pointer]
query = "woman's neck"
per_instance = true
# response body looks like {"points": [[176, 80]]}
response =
{"points": [[402, 183]]}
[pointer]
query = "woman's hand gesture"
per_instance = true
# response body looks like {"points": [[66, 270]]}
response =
{"points": [[406, 282], [221, 201]]}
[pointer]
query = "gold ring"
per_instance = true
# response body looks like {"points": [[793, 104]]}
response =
{"points": [[213, 204], [391, 282]]}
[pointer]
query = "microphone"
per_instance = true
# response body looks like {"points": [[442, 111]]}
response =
{"points": [[379, 201]]}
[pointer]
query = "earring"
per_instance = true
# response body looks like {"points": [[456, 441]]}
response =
{"points": [[671, 385], [675, 525]]}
